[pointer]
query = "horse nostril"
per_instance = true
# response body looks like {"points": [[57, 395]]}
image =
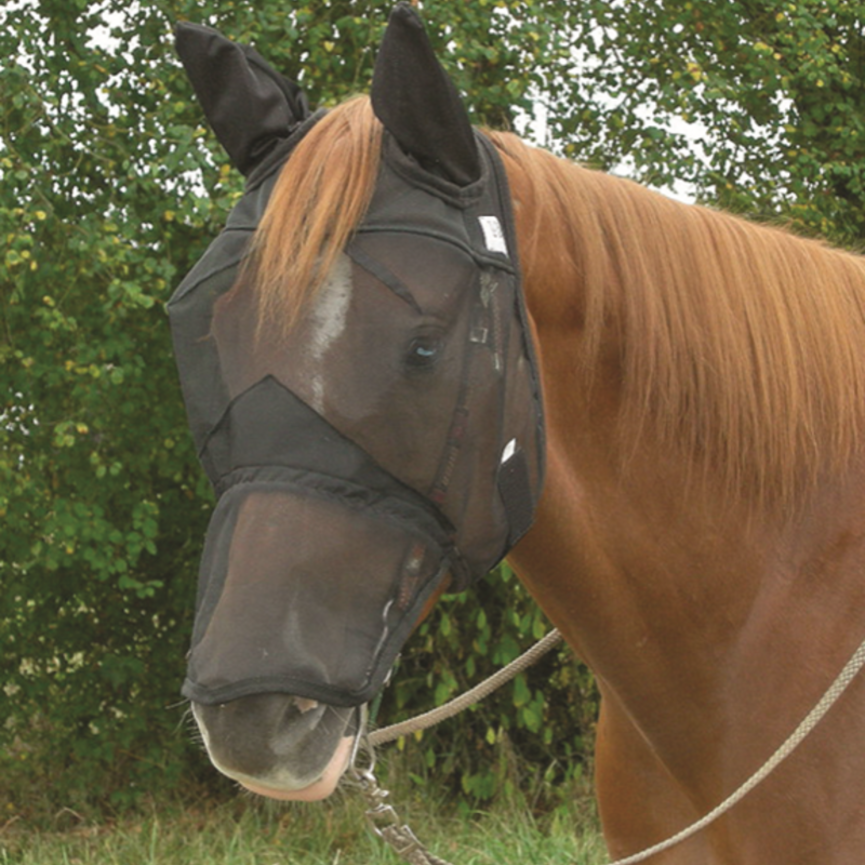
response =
{"points": [[303, 705]]}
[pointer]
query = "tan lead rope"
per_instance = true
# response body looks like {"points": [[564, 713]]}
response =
{"points": [[836, 689], [475, 695], [386, 822]]}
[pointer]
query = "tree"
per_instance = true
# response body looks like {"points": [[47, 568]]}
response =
{"points": [[111, 186], [772, 90]]}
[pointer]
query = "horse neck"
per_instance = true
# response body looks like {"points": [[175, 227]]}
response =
{"points": [[629, 546], [688, 607], [659, 574]]}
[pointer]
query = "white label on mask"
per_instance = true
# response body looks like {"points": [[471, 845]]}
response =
{"points": [[493, 234]]}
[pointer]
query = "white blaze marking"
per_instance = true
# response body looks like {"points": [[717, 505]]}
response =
{"points": [[328, 320]]}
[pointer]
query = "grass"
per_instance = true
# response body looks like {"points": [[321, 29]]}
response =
{"points": [[247, 831]]}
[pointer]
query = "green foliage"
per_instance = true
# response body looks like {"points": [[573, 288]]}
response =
{"points": [[774, 91], [111, 186], [99, 492], [533, 733]]}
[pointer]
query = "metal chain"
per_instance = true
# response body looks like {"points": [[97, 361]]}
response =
{"points": [[383, 818], [386, 823]]}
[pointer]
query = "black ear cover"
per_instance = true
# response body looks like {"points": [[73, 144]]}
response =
{"points": [[250, 106], [418, 103]]}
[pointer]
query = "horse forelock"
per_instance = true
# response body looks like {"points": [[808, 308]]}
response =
{"points": [[740, 345], [319, 199]]}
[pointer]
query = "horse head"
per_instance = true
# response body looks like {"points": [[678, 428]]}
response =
{"points": [[361, 387]]}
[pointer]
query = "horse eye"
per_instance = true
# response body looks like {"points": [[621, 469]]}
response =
{"points": [[423, 352]]}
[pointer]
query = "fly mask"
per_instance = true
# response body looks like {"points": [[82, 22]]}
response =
{"points": [[394, 436]]}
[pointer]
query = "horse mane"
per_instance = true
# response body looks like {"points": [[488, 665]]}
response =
{"points": [[739, 345]]}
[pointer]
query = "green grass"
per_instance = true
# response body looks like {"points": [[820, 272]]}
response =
{"points": [[252, 832]]}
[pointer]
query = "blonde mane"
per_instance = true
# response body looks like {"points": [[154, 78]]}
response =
{"points": [[740, 345]]}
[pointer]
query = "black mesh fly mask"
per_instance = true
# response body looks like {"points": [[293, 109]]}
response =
{"points": [[392, 438]]}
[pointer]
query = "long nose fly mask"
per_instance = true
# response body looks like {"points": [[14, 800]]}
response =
{"points": [[393, 436]]}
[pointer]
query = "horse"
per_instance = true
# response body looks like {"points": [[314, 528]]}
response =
{"points": [[700, 534]]}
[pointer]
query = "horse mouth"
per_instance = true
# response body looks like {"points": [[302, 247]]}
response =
{"points": [[279, 746], [318, 790]]}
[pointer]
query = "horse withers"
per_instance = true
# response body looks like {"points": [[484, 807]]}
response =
{"points": [[361, 352]]}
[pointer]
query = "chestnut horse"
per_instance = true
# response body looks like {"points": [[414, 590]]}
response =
{"points": [[701, 535]]}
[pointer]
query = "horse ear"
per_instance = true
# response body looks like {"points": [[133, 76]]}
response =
{"points": [[417, 102], [249, 105]]}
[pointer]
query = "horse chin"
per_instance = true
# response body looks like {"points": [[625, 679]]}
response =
{"points": [[280, 746], [320, 789]]}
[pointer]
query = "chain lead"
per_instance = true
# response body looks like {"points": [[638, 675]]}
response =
{"points": [[382, 817]]}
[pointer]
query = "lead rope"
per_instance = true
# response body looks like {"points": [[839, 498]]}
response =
{"points": [[387, 824], [475, 695]]}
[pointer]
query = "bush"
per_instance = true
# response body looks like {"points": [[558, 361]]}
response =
{"points": [[535, 732]]}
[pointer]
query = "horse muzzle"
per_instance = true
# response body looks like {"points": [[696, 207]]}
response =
{"points": [[280, 746]]}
